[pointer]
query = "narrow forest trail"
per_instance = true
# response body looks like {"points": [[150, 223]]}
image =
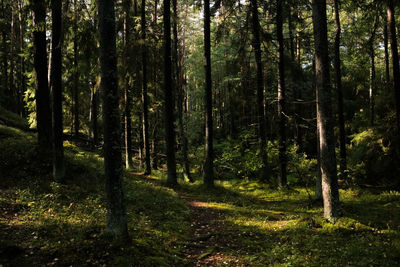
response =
{"points": [[211, 237], [211, 240]]}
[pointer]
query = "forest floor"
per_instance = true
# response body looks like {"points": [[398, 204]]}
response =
{"points": [[209, 236], [238, 223]]}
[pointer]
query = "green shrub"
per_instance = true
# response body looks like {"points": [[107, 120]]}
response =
{"points": [[372, 159]]}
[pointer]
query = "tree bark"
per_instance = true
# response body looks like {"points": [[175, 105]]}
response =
{"points": [[94, 113], [281, 97], [395, 59], [43, 114], [372, 74], [260, 92], [324, 112], [21, 76], [5, 58], [180, 87], [169, 100], [13, 88], [145, 98], [76, 72], [116, 213], [209, 151], [127, 90], [56, 86], [386, 48], [339, 89]]}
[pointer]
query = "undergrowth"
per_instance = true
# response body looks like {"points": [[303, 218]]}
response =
{"points": [[46, 223]]}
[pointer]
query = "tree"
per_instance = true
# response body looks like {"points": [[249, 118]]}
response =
{"points": [[56, 86], [281, 96], [260, 90], [116, 213], [43, 114], [324, 112], [339, 89], [395, 58], [168, 94], [76, 72], [127, 93], [372, 75], [179, 84], [209, 151], [145, 98]]}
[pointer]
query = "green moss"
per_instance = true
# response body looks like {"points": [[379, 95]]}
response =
{"points": [[9, 118]]}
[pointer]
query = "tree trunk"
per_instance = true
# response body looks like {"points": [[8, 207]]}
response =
{"points": [[386, 47], [395, 59], [318, 184], [299, 93], [291, 37], [127, 93], [94, 113], [180, 87], [145, 98], [372, 74], [169, 100], [339, 88], [324, 112], [56, 88], [21, 76], [154, 140], [260, 91], [43, 114], [209, 151], [116, 213], [281, 97], [76, 72], [12, 89], [4, 59]]}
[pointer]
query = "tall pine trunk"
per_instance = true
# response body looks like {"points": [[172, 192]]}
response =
{"points": [[116, 212], [386, 48], [180, 93], [127, 91], [94, 113], [4, 58], [145, 98], [339, 89], [324, 112], [395, 59], [281, 97], [43, 114], [169, 99], [372, 74], [21, 77], [209, 151], [260, 91], [13, 88], [56, 86], [76, 73]]}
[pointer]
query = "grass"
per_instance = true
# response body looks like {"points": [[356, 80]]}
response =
{"points": [[283, 228], [45, 223], [11, 119]]}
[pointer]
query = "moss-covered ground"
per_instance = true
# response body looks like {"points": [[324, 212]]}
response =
{"points": [[239, 223]]}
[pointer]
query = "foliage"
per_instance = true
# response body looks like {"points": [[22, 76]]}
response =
{"points": [[11, 119], [240, 159], [372, 159]]}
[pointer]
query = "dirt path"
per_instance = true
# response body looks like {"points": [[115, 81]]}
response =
{"points": [[210, 239]]}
